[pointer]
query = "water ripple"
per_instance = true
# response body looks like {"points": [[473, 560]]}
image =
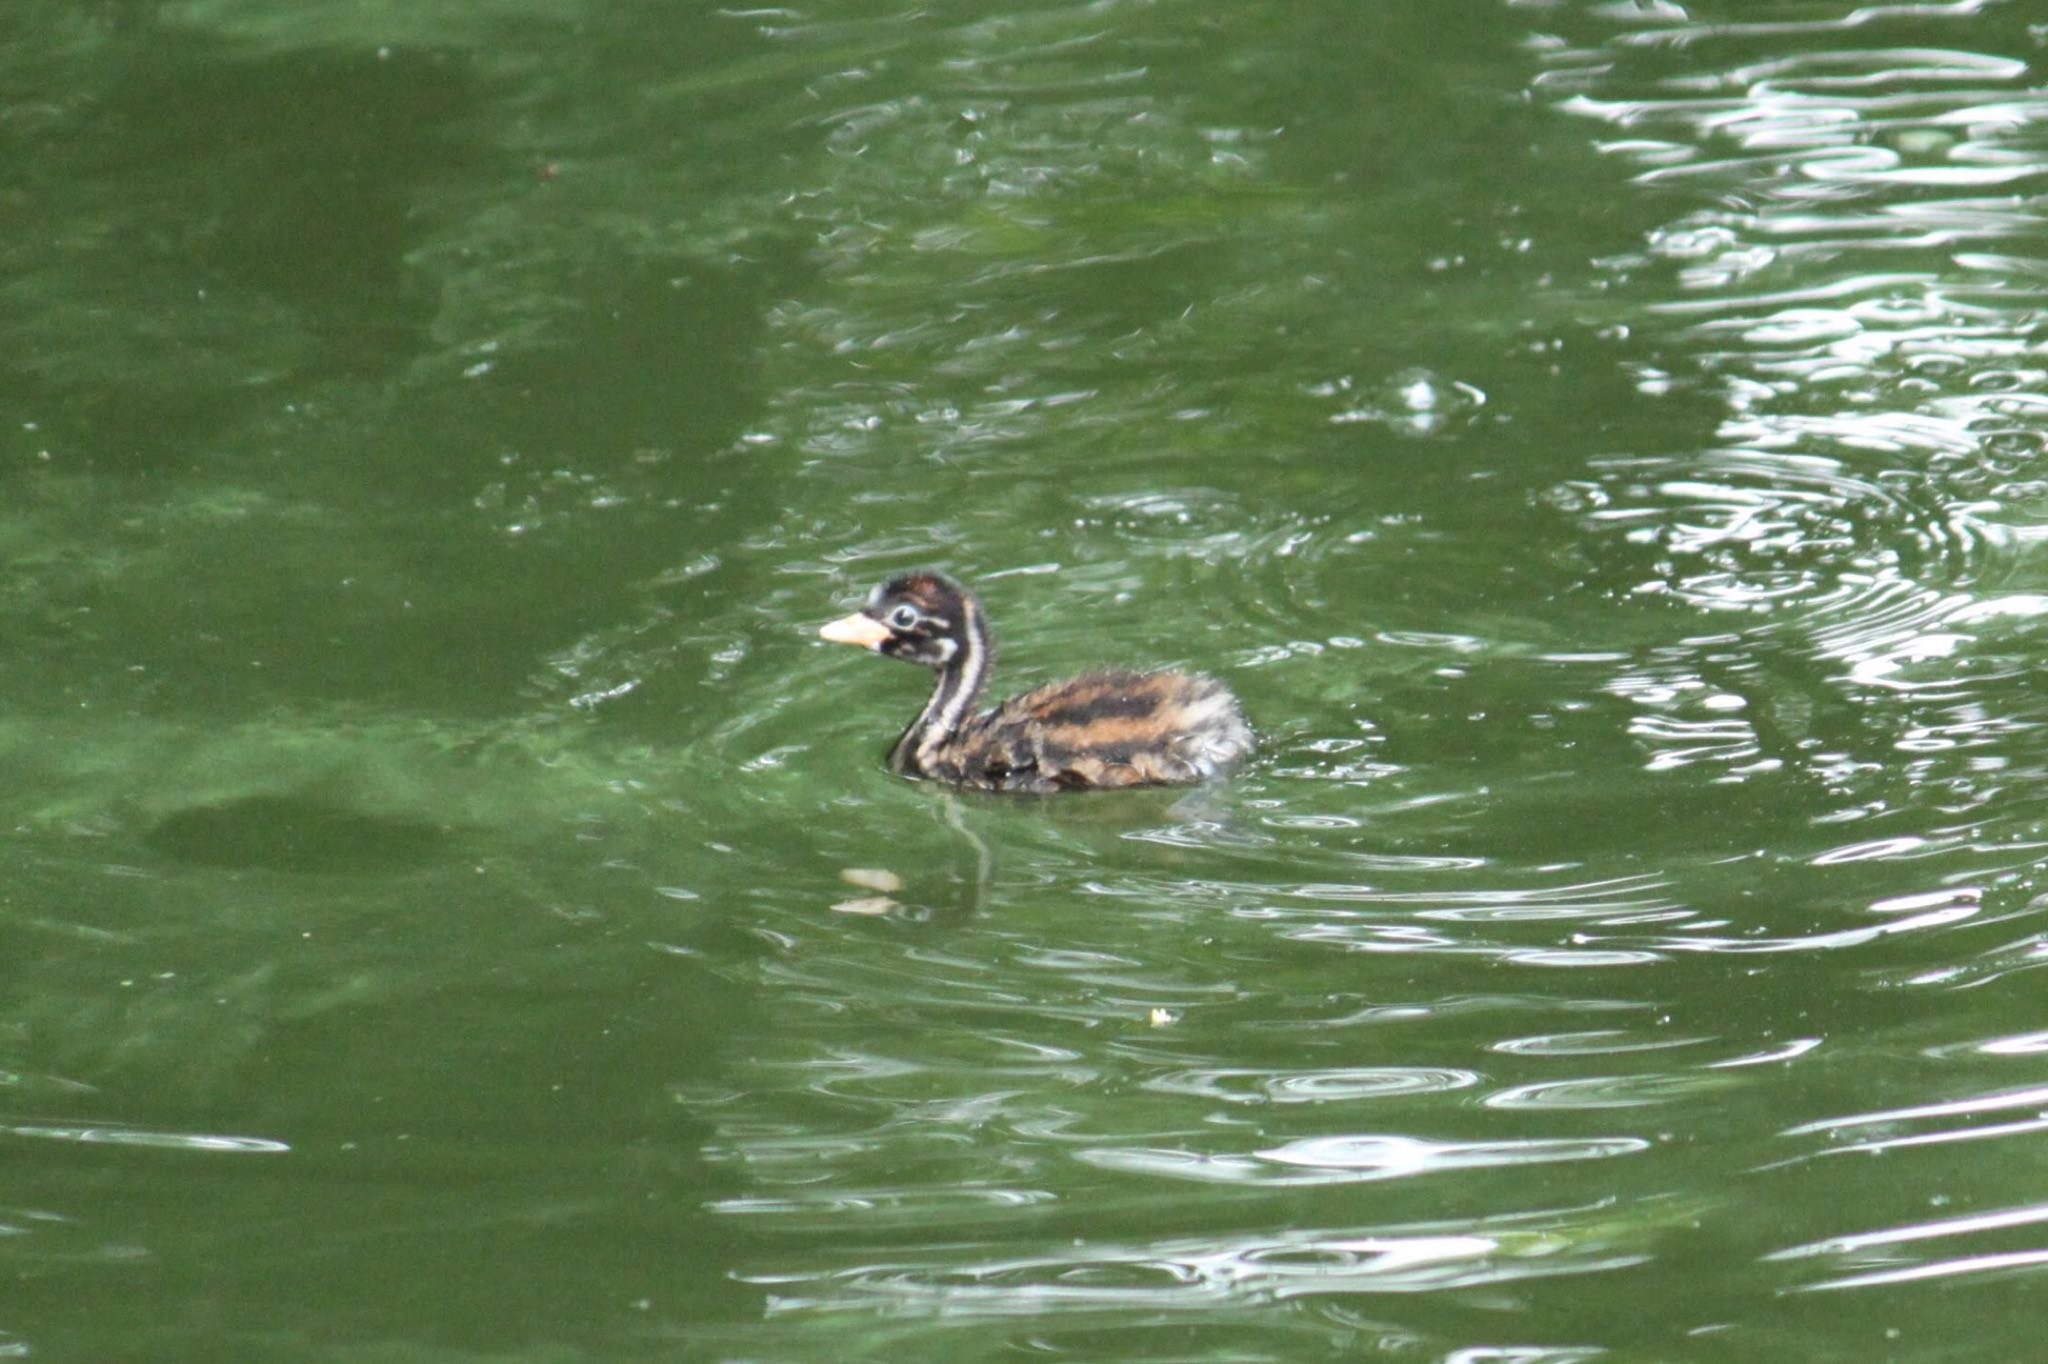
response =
{"points": [[1246, 1086], [1877, 1258], [913, 1205], [104, 1135], [1356, 1159], [2031, 1098], [1847, 269], [1605, 1091], [1210, 1272]]}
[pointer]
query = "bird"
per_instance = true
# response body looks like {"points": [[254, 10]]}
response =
{"points": [[1106, 728]]}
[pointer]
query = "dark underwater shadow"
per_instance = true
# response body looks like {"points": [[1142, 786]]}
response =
{"points": [[295, 834]]}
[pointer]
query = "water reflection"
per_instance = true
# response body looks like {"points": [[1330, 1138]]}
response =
{"points": [[1354, 1159]]}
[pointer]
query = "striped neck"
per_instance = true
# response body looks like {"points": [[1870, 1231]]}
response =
{"points": [[960, 680]]}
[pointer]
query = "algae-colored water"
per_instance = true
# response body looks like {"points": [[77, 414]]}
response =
{"points": [[454, 908]]}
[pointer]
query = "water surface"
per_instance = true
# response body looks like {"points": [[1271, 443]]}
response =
{"points": [[457, 908]]}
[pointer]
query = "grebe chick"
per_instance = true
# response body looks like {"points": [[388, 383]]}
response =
{"points": [[1101, 729]]}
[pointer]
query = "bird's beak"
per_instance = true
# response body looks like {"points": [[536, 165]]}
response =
{"points": [[865, 631]]}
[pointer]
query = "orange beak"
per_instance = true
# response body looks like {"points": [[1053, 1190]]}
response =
{"points": [[865, 631]]}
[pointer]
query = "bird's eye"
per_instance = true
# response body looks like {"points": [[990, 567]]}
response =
{"points": [[903, 617]]}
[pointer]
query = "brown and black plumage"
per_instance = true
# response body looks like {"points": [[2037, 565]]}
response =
{"points": [[1101, 729]]}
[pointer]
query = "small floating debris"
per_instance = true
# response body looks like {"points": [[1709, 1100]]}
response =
{"points": [[1163, 1018], [867, 904], [878, 879]]}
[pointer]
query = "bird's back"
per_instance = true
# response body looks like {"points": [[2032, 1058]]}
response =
{"points": [[1110, 728]]}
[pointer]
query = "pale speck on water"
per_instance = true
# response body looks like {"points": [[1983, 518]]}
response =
{"points": [[868, 904], [877, 879]]}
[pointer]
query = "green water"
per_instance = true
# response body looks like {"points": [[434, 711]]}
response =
{"points": [[454, 908]]}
